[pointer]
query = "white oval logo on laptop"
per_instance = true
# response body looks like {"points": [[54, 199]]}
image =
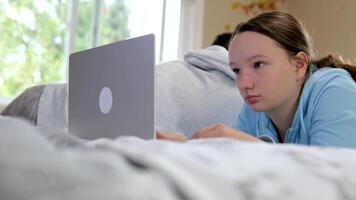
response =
{"points": [[105, 100]]}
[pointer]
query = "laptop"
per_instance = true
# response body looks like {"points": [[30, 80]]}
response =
{"points": [[112, 90]]}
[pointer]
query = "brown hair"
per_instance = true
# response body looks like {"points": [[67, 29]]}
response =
{"points": [[223, 40], [291, 35]]}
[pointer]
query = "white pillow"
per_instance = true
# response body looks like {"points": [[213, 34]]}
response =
{"points": [[197, 92], [189, 98]]}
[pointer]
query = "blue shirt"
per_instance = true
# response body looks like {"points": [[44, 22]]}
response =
{"points": [[325, 116]]}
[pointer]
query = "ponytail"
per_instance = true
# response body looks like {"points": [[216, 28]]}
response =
{"points": [[335, 62]]}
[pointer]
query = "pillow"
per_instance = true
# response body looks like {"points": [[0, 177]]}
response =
{"points": [[25, 105], [189, 98]]}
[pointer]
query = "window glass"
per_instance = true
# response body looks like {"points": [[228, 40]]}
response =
{"points": [[38, 35], [113, 22], [146, 17], [32, 43], [85, 15]]}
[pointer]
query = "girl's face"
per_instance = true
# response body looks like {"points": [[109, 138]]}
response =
{"points": [[266, 77]]}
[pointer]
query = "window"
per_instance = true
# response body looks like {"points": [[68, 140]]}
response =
{"points": [[37, 36], [32, 43]]}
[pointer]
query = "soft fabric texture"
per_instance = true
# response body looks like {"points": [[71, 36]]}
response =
{"points": [[211, 58], [326, 113], [25, 105], [36, 164], [197, 93], [53, 107]]}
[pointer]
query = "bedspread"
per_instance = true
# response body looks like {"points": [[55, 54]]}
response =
{"points": [[41, 164]]}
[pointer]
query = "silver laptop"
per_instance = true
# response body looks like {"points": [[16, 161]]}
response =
{"points": [[112, 90]]}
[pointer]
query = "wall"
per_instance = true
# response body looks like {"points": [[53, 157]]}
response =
{"points": [[223, 15], [217, 14], [330, 22]]}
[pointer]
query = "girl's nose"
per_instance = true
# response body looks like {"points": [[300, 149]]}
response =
{"points": [[245, 81]]}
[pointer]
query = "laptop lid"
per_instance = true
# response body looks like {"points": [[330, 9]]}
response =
{"points": [[112, 90]]}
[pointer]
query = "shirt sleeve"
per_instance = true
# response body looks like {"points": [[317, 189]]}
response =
{"points": [[246, 121], [333, 121]]}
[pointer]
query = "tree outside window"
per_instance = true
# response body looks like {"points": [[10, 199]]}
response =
{"points": [[33, 38]]}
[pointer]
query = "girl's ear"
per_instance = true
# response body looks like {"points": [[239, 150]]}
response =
{"points": [[301, 65]]}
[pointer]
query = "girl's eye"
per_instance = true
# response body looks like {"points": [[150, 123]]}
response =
{"points": [[258, 64], [236, 70]]}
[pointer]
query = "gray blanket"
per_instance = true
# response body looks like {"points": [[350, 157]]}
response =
{"points": [[42, 164]]}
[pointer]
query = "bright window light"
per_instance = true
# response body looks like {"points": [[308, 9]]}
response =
{"points": [[38, 36]]}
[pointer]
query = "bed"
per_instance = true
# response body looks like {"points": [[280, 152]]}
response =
{"points": [[40, 160]]}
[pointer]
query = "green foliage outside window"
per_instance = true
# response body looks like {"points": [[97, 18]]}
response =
{"points": [[33, 39]]}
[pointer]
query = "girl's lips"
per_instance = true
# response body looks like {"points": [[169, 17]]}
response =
{"points": [[251, 99]]}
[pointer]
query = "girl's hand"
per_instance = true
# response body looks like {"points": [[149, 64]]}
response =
{"points": [[220, 130], [178, 137]]}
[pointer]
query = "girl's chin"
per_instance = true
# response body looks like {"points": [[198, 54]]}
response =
{"points": [[257, 108]]}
